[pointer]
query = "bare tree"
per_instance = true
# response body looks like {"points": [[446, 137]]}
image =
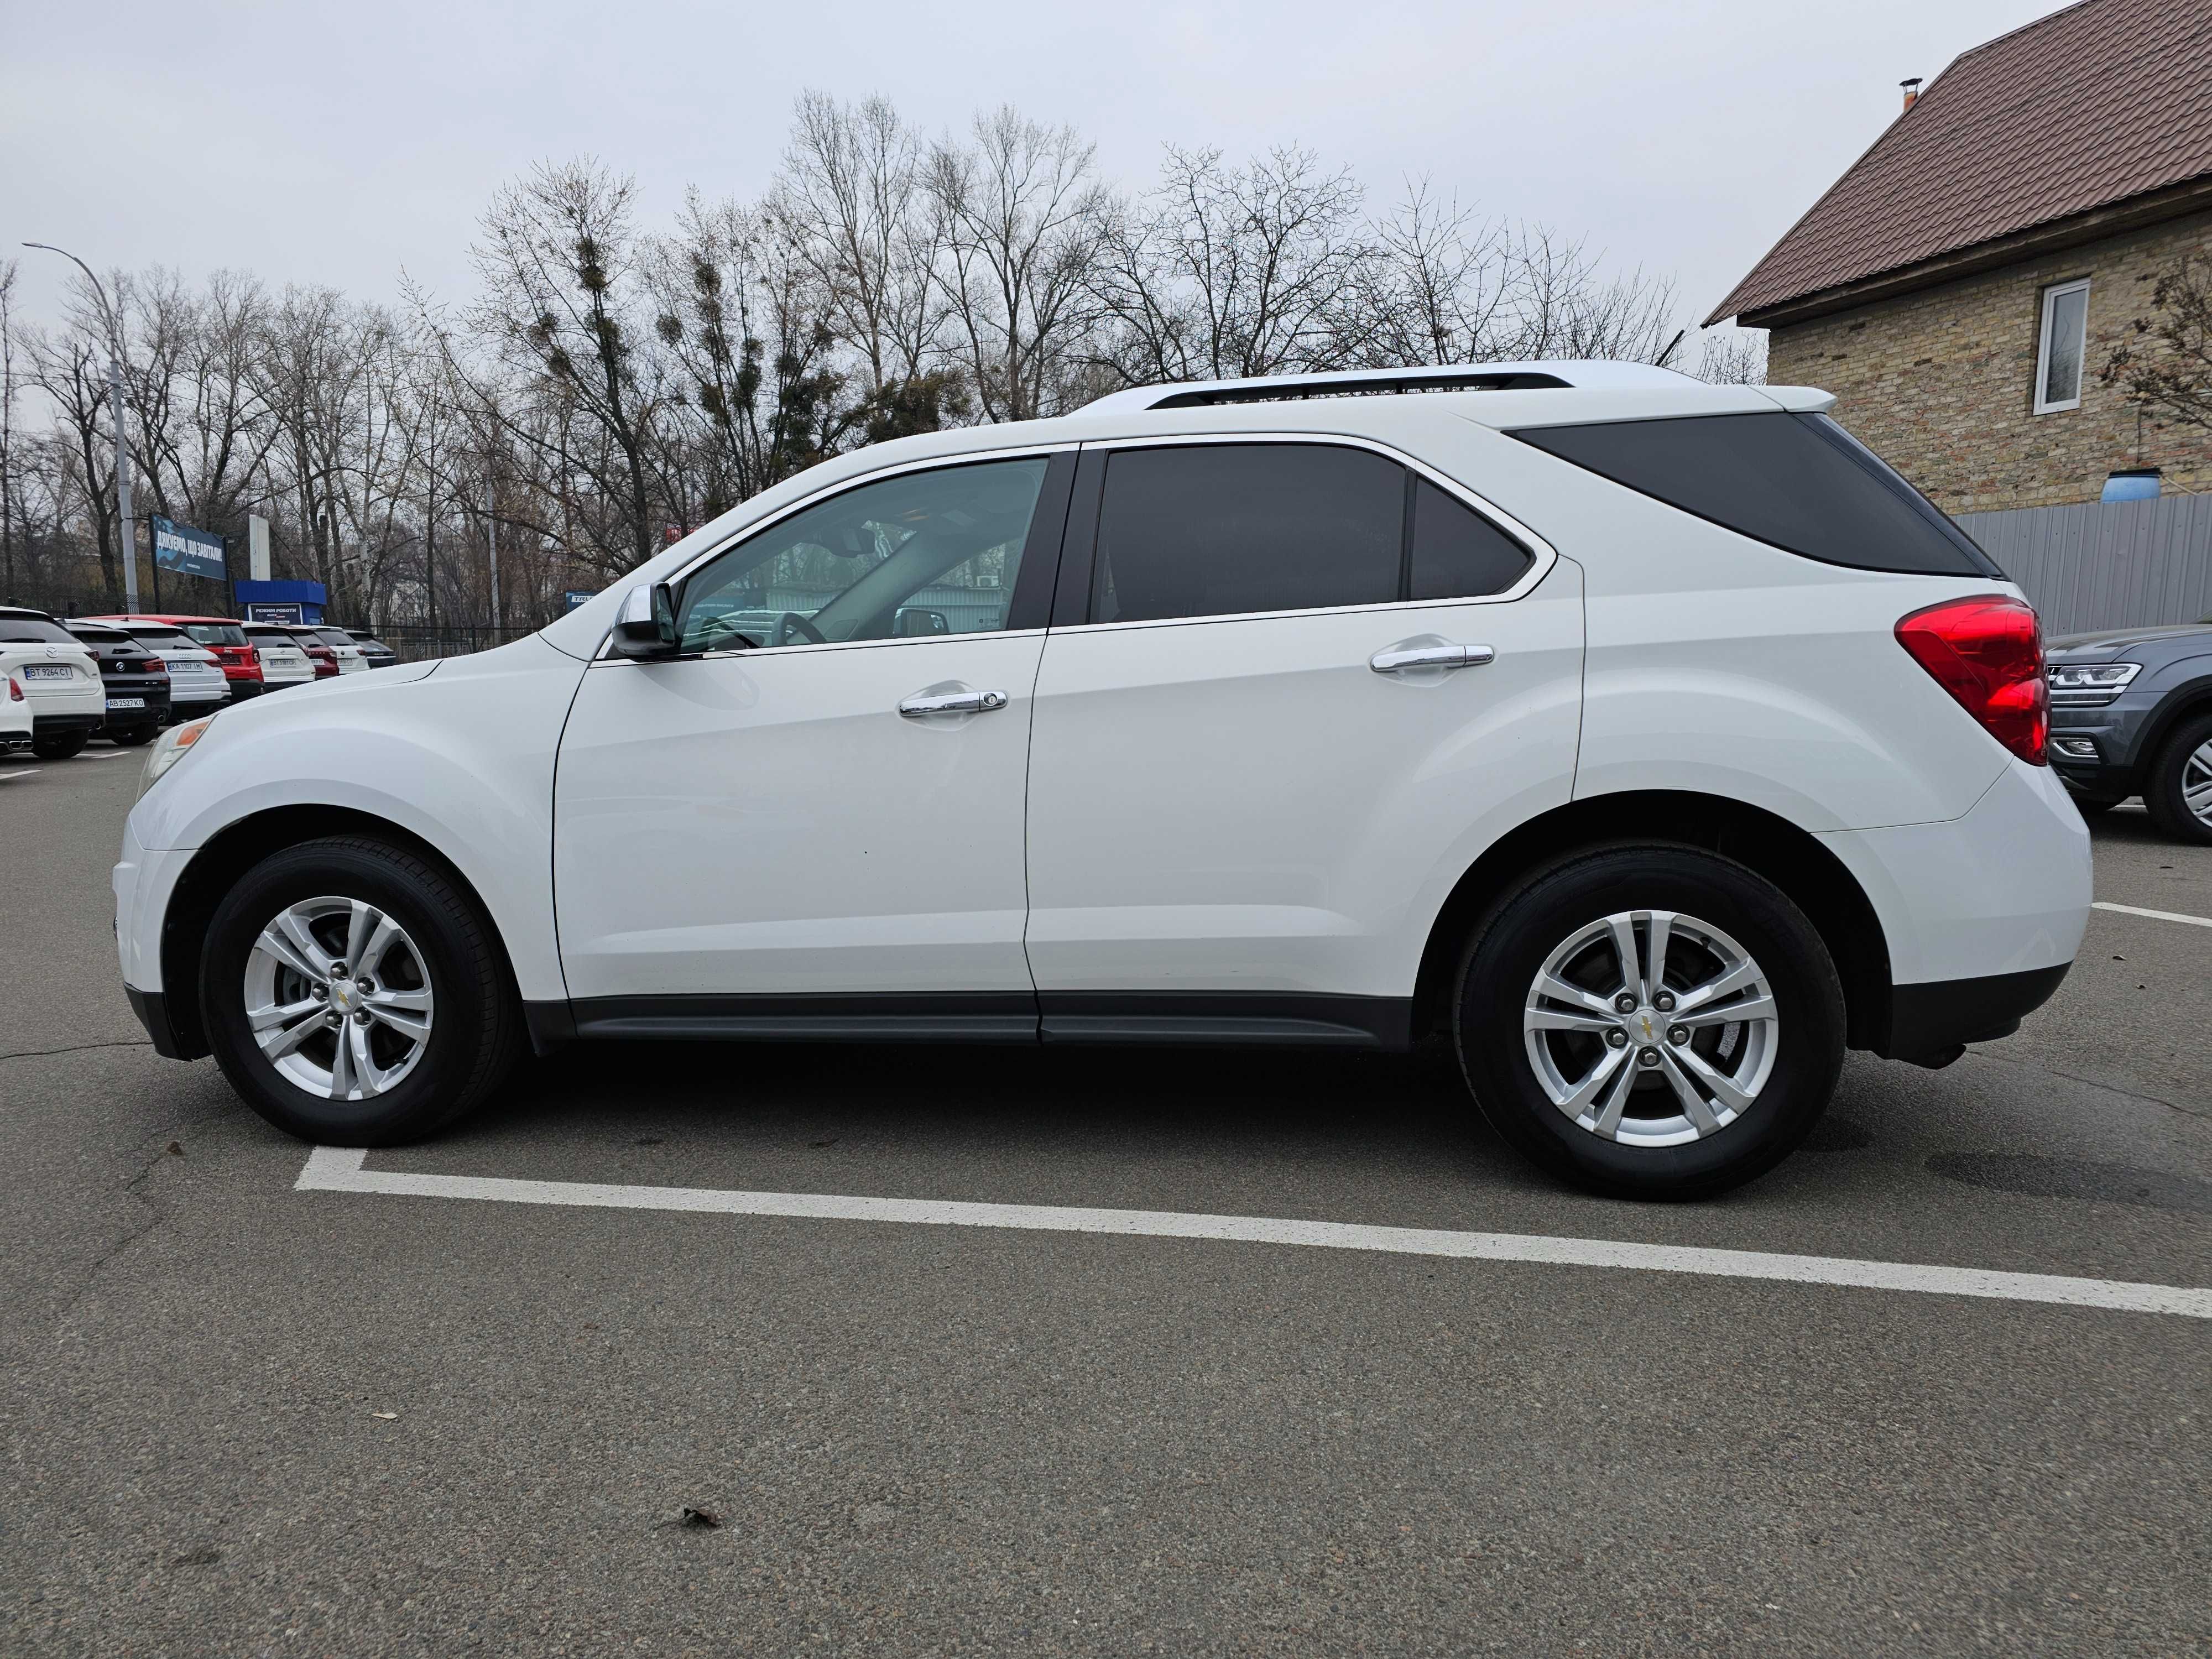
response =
{"points": [[2165, 361], [558, 263], [1226, 272], [1021, 216], [1733, 357], [8, 457]]}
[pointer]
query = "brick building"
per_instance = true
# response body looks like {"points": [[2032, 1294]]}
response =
{"points": [[1959, 288]]}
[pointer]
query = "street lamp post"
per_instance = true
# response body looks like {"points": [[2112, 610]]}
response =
{"points": [[122, 443]]}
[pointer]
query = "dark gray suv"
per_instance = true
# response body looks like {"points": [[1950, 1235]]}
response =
{"points": [[2131, 714]]}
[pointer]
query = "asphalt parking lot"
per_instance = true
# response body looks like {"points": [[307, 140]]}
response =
{"points": [[246, 1416]]}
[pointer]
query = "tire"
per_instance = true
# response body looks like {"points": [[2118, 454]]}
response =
{"points": [[2184, 764], [445, 946], [1780, 1064], [131, 737], [60, 745]]}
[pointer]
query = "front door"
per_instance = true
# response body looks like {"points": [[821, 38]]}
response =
{"points": [[1309, 683], [815, 812]]}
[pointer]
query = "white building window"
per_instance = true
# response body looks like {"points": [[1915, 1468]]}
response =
{"points": [[2058, 358]]}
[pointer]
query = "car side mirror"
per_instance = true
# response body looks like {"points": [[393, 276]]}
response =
{"points": [[647, 626]]}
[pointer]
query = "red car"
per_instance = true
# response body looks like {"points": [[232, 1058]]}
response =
{"points": [[225, 637], [318, 649]]}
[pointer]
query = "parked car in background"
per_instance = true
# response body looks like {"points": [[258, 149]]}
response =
{"points": [[1650, 741], [339, 643], [196, 683], [52, 678], [283, 661], [135, 681], [2131, 714], [223, 636], [319, 654], [374, 651]]}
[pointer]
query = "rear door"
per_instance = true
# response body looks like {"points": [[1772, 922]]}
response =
{"points": [[1293, 686]]}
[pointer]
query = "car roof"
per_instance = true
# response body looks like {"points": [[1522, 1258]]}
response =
{"points": [[170, 617]]}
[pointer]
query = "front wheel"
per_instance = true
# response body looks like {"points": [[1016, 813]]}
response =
{"points": [[2178, 791], [1650, 1022], [355, 996]]}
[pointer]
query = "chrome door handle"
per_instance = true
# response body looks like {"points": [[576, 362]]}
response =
{"points": [[952, 702], [1396, 659]]}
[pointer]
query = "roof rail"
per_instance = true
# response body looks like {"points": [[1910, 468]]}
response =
{"points": [[1386, 382]]}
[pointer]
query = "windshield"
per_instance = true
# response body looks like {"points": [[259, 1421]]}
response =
{"points": [[216, 633], [161, 639], [33, 631]]}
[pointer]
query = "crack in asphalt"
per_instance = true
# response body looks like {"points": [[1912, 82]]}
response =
{"points": [[78, 1048], [2109, 1087]]}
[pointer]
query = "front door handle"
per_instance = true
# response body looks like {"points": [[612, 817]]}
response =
{"points": [[1401, 658], [951, 703]]}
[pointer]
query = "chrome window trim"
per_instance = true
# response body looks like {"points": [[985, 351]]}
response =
{"points": [[1544, 554]]}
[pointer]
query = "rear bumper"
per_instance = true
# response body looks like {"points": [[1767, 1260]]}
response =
{"points": [[1931, 1023], [50, 725]]}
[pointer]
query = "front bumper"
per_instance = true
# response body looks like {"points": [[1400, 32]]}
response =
{"points": [[152, 1008], [2099, 752]]}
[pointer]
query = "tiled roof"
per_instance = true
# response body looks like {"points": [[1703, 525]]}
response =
{"points": [[2103, 101]]}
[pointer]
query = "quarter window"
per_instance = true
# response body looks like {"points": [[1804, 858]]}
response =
{"points": [[1456, 552], [2058, 360], [911, 557]]}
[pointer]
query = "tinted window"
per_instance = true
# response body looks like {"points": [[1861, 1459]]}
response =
{"points": [[33, 631], [1228, 528], [1457, 554], [216, 633], [1797, 481], [924, 553], [333, 636], [161, 639]]}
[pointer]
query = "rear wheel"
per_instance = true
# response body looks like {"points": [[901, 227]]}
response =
{"points": [[1650, 1022], [356, 996], [2178, 791], [60, 745]]}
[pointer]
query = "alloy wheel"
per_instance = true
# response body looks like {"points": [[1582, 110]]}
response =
{"points": [[338, 998], [1651, 1028]]}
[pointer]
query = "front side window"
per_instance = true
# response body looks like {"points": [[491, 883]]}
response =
{"points": [[2058, 363], [920, 554]]}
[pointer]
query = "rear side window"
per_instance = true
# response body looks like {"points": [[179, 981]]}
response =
{"points": [[1797, 481], [1454, 551], [1222, 530]]}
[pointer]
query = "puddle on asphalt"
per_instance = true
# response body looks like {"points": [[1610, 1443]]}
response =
{"points": [[2060, 1178]]}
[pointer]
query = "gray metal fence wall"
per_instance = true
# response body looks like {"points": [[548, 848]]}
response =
{"points": [[2126, 564]]}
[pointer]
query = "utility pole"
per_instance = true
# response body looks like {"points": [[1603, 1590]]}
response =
{"points": [[130, 532]]}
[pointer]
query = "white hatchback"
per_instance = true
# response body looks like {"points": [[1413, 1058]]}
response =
{"points": [[1652, 741], [197, 684], [283, 662]]}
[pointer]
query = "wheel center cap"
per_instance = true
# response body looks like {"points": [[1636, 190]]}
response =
{"points": [[1644, 1025], [341, 995]]}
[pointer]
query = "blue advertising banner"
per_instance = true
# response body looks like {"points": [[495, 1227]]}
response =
{"points": [[180, 547]]}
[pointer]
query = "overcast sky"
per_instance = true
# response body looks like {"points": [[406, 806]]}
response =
{"points": [[341, 143]]}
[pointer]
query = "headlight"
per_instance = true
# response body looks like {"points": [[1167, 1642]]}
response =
{"points": [[2089, 684], [171, 746]]}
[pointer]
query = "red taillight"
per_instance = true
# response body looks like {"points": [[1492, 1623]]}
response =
{"points": [[1987, 653], [15, 692]]}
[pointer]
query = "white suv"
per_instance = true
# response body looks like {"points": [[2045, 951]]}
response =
{"points": [[1652, 741]]}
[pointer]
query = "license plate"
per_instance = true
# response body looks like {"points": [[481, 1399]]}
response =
{"points": [[126, 702], [40, 671]]}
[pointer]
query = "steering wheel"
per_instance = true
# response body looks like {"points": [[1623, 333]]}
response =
{"points": [[790, 625]]}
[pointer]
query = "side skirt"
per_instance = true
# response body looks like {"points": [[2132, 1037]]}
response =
{"points": [[1059, 1016]]}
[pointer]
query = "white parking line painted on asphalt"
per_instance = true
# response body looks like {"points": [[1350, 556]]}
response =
{"points": [[2155, 915], [10, 777], [107, 754], [340, 1169]]}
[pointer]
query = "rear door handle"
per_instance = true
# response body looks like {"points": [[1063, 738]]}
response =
{"points": [[952, 702], [1399, 659]]}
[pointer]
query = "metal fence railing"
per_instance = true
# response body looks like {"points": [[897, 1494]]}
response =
{"points": [[412, 642], [2106, 564]]}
